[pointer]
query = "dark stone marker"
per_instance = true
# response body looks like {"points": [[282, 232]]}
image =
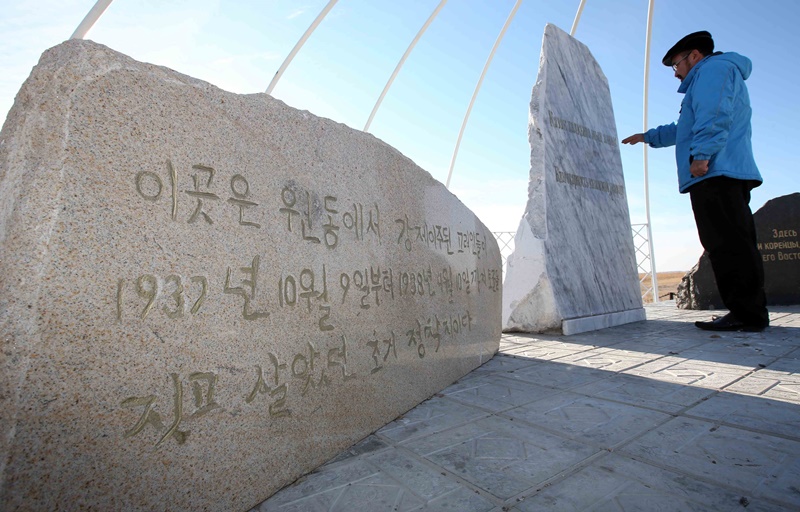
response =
{"points": [[778, 229]]}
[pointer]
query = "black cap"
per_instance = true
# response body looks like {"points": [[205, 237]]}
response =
{"points": [[700, 41]]}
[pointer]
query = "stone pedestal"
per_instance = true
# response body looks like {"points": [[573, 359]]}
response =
{"points": [[205, 295], [573, 268]]}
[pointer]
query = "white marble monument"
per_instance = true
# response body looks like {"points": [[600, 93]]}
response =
{"points": [[573, 268], [204, 295]]}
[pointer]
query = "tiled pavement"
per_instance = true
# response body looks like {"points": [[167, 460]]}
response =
{"points": [[652, 416]]}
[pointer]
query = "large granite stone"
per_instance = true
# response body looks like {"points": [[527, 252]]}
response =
{"points": [[573, 268], [205, 295], [778, 232]]}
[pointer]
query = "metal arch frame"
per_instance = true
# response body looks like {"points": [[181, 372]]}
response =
{"points": [[402, 61], [653, 275], [478, 88], [300, 43], [577, 18], [90, 19], [101, 5]]}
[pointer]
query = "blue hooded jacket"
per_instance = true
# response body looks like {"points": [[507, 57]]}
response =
{"points": [[714, 121]]}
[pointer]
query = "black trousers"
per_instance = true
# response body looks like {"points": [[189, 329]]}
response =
{"points": [[727, 232]]}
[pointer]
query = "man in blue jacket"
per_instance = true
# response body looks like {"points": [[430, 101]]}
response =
{"points": [[716, 167]]}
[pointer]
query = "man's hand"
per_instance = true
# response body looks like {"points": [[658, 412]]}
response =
{"points": [[698, 168], [634, 139]]}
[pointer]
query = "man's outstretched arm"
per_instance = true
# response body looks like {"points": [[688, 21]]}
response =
{"points": [[634, 139], [660, 137]]}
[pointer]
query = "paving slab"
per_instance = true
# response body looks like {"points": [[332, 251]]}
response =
{"points": [[690, 372], [502, 363], [784, 316], [547, 352], [770, 384], [608, 359], [759, 464], [739, 352], [750, 412], [496, 393], [504, 457], [557, 375], [430, 417], [788, 363], [662, 396], [619, 483], [663, 345], [656, 415], [393, 481], [588, 419]]}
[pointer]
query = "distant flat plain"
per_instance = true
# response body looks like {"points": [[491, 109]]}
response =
{"points": [[667, 283]]}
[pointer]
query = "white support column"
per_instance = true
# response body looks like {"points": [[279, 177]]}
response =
{"points": [[91, 18], [653, 275], [299, 45], [478, 88], [577, 18], [402, 61]]}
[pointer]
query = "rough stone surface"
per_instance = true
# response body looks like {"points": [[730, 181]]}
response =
{"points": [[778, 231], [574, 257], [204, 295]]}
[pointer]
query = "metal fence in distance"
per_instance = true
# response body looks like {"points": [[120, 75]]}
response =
{"points": [[644, 262], [505, 241]]}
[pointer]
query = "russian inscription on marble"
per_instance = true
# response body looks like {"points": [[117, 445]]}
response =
{"points": [[573, 267]]}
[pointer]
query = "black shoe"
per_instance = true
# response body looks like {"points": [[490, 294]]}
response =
{"points": [[730, 323]]}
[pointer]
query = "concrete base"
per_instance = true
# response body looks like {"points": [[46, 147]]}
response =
{"points": [[593, 323]]}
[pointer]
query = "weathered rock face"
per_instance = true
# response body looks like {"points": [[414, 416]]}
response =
{"points": [[778, 231], [204, 295], [574, 267]]}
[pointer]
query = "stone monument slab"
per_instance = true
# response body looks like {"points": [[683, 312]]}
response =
{"points": [[573, 268], [204, 295], [778, 231]]}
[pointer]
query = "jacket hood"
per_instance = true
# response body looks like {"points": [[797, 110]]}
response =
{"points": [[742, 63]]}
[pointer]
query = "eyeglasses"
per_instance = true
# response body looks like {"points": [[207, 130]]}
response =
{"points": [[675, 65]]}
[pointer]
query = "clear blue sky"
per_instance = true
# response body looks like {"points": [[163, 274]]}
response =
{"points": [[341, 71]]}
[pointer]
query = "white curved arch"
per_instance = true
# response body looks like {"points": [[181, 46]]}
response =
{"points": [[577, 18], [478, 88], [90, 19], [299, 45], [402, 61], [653, 276]]}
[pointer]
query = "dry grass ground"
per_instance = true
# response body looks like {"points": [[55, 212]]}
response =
{"points": [[667, 283]]}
